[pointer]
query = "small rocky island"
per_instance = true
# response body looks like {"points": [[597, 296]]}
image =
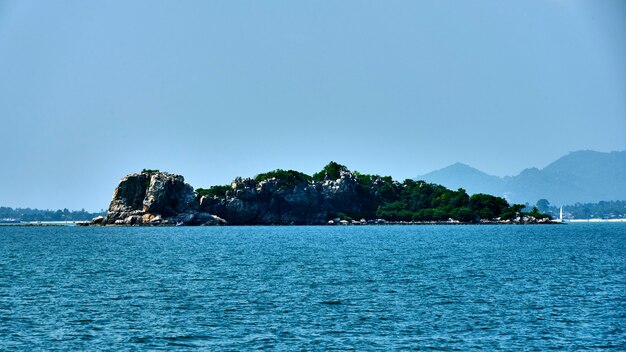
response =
{"points": [[335, 195]]}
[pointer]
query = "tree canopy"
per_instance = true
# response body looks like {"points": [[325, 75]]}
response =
{"points": [[331, 171], [382, 197]]}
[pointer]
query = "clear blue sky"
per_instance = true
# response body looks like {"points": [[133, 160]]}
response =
{"points": [[93, 90]]}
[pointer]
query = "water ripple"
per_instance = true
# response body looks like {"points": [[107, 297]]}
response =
{"points": [[312, 288]]}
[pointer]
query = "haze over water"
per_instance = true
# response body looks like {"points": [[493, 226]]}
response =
{"points": [[362, 287]]}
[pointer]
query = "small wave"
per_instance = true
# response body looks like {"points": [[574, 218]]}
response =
{"points": [[180, 344], [182, 337], [138, 339]]}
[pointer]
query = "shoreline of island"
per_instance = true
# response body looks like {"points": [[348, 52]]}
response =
{"points": [[333, 196]]}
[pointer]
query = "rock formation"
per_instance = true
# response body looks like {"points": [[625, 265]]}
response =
{"points": [[275, 201], [156, 198], [160, 198], [280, 197]]}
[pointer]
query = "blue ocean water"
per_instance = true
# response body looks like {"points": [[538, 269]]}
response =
{"points": [[313, 288]]}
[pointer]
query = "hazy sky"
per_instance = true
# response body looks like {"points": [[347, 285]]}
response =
{"points": [[93, 90]]}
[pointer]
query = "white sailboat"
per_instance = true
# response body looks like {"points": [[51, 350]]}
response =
{"points": [[560, 219]]}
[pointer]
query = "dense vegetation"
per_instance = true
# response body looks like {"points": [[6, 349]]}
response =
{"points": [[332, 171], [214, 191], [382, 197], [28, 214], [421, 201], [288, 177]]}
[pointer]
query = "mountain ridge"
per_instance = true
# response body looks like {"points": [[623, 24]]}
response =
{"points": [[583, 176]]}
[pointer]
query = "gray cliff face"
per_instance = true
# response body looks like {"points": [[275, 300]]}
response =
{"points": [[161, 198], [276, 202], [169, 195], [156, 198], [342, 195], [129, 194]]}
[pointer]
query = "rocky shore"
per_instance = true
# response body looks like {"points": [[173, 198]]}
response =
{"points": [[155, 199], [164, 199]]}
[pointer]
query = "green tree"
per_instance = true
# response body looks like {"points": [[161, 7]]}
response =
{"points": [[464, 214], [331, 171], [511, 212], [487, 206], [537, 214], [214, 191], [288, 178], [543, 205]]}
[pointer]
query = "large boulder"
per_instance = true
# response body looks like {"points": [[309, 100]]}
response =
{"points": [[169, 195], [139, 198], [129, 194]]}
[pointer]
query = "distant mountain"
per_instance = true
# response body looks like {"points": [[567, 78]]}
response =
{"points": [[579, 177], [463, 176]]}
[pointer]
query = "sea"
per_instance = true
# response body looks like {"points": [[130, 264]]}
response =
{"points": [[307, 288]]}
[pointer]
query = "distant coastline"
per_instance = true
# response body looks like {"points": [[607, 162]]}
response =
{"points": [[391, 223], [333, 196], [8, 214], [596, 220], [386, 223], [373, 222]]}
